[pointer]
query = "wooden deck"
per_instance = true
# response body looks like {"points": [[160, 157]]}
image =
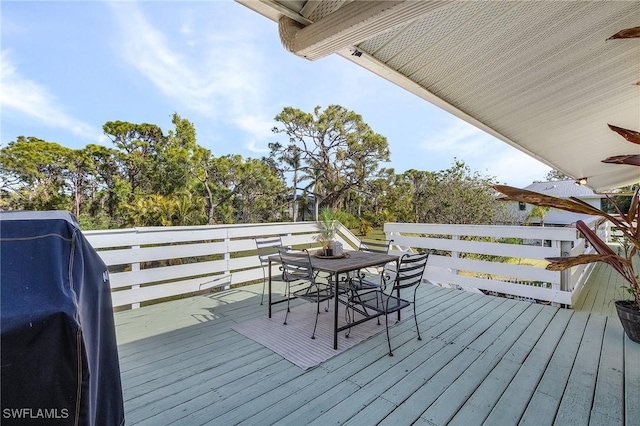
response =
{"points": [[482, 360]]}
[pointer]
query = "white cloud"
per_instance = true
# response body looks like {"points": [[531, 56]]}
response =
{"points": [[26, 97], [259, 129], [457, 136], [514, 167], [221, 78], [146, 49], [486, 154], [253, 146]]}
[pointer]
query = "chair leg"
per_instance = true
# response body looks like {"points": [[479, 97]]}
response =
{"points": [[415, 317], [313, 336], [288, 293], [263, 286], [348, 312], [386, 319], [330, 284]]}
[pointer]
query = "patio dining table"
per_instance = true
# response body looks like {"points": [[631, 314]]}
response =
{"points": [[352, 261]]}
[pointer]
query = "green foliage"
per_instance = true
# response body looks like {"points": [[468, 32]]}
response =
{"points": [[556, 175], [155, 178], [364, 228], [33, 172], [90, 222], [455, 195], [334, 149], [538, 212], [328, 223], [148, 179]]}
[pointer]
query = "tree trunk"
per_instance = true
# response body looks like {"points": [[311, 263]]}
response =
{"points": [[295, 195], [210, 220]]}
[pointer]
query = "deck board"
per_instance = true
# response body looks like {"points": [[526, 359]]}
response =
{"points": [[481, 403], [454, 397], [575, 407], [545, 401], [482, 360], [631, 379], [515, 399], [609, 384]]}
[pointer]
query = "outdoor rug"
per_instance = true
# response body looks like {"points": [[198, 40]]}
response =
{"points": [[293, 341]]}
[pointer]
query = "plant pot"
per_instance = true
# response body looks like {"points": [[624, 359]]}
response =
{"points": [[630, 318]]}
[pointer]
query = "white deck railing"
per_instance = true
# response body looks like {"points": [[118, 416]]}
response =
{"points": [[459, 251], [148, 264]]}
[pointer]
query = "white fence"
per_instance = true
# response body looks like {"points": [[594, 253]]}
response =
{"points": [[153, 263], [463, 252], [148, 264]]}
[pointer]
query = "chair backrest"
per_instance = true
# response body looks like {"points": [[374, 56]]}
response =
{"points": [[267, 246], [296, 265], [375, 246], [410, 270]]}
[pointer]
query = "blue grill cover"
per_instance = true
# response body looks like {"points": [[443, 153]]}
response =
{"points": [[59, 353]]}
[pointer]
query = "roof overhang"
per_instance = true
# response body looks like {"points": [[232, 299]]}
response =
{"points": [[540, 76]]}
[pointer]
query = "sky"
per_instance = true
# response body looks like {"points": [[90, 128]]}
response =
{"points": [[69, 67]]}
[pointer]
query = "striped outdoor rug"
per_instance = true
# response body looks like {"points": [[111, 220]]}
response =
{"points": [[293, 341]]}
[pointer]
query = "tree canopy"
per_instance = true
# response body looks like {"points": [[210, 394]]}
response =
{"points": [[334, 149], [152, 178]]}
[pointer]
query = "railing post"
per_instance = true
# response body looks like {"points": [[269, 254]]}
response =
{"points": [[565, 276], [455, 254], [135, 267], [227, 258]]}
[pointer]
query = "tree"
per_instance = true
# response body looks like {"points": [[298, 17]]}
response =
{"points": [[244, 190], [33, 174], [314, 176], [338, 150], [174, 156], [258, 192], [289, 160], [537, 212], [137, 144], [556, 175], [78, 175], [622, 202], [200, 169], [455, 195], [110, 185]]}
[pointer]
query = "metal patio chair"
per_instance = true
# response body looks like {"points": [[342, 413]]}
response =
{"points": [[366, 280], [267, 246], [297, 268], [385, 300]]}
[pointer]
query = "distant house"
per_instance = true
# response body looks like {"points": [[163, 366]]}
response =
{"points": [[560, 189], [306, 209]]}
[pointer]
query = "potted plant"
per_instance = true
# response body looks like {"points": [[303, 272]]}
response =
{"points": [[328, 227], [626, 223]]}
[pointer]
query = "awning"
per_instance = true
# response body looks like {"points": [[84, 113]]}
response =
{"points": [[538, 75]]}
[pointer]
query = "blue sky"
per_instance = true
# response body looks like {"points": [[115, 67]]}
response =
{"points": [[69, 67]]}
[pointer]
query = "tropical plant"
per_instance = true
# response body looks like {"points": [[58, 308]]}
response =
{"points": [[537, 212], [328, 227], [626, 223], [364, 227]]}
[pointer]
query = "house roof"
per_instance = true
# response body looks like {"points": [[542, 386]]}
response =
{"points": [[562, 189], [540, 76]]}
